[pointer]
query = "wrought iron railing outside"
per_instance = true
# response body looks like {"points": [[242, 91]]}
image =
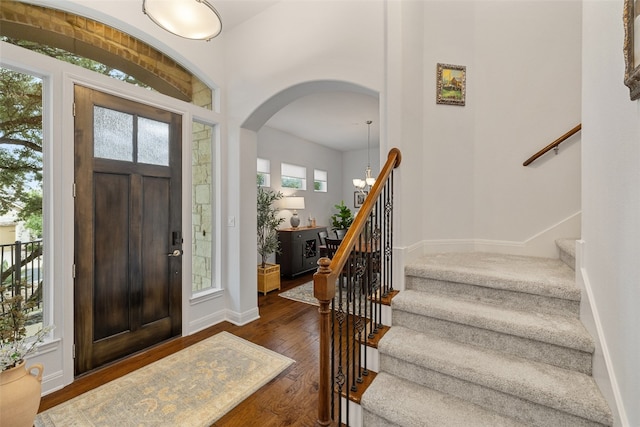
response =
{"points": [[350, 286], [21, 270]]}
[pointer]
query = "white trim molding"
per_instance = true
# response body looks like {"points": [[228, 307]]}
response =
{"points": [[603, 372], [541, 244], [241, 319]]}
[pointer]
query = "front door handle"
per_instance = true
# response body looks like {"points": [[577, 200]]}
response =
{"points": [[176, 252]]}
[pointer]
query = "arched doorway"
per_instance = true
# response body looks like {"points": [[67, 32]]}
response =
{"points": [[319, 128]]}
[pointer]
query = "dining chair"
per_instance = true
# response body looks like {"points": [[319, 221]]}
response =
{"points": [[332, 246], [322, 236]]}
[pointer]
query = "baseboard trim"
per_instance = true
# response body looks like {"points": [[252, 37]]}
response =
{"points": [[604, 375], [205, 309], [241, 319], [541, 244], [206, 321], [53, 382]]}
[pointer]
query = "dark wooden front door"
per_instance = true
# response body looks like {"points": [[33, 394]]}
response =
{"points": [[128, 240]]}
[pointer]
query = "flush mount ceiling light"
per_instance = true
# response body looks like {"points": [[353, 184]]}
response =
{"points": [[191, 19]]}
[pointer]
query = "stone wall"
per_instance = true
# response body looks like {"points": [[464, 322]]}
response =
{"points": [[202, 213]]}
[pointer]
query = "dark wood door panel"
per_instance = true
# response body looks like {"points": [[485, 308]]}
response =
{"points": [[118, 346], [155, 236], [111, 285], [128, 291]]}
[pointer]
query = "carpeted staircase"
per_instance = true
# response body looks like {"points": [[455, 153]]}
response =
{"points": [[482, 339]]}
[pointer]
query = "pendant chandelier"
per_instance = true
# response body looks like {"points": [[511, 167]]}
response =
{"points": [[191, 19], [368, 181]]}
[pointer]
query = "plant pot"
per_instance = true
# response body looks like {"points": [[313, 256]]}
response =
{"points": [[268, 278], [20, 392]]}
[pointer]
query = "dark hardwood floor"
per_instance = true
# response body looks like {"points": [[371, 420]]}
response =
{"points": [[285, 326]]}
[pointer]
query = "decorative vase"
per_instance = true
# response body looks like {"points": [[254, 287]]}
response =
{"points": [[295, 220], [20, 393]]}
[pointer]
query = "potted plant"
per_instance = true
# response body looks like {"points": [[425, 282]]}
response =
{"points": [[343, 218], [20, 388], [268, 243]]}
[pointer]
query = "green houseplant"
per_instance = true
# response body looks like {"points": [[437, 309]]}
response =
{"points": [[268, 223], [268, 243], [343, 218]]}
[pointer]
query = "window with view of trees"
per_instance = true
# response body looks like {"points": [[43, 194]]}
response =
{"points": [[319, 181], [264, 173], [293, 176], [21, 160], [72, 58]]}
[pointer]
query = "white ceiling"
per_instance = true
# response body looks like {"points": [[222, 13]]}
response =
{"points": [[235, 12], [333, 119]]}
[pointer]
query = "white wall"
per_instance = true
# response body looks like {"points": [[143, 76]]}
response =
{"points": [[523, 91], [286, 45], [526, 93], [402, 125], [449, 129], [611, 204], [354, 164], [280, 147], [301, 41]]}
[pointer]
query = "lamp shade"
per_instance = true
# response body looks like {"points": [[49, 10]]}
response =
{"points": [[293, 203], [191, 19]]}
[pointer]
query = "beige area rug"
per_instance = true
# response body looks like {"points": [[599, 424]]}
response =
{"points": [[302, 293], [193, 387]]}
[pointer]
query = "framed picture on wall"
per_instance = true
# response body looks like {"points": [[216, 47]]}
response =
{"points": [[451, 84], [358, 198], [631, 20]]}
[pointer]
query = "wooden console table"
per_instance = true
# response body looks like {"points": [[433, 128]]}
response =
{"points": [[300, 250]]}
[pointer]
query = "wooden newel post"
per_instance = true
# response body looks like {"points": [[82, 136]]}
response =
{"points": [[324, 289]]}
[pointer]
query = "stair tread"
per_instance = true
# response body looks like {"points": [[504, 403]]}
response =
{"points": [[549, 328], [539, 276], [408, 404], [562, 389]]}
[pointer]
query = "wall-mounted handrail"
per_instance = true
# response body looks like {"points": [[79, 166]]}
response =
{"points": [[553, 145]]}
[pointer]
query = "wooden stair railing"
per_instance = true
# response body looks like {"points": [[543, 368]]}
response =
{"points": [[351, 309], [553, 145]]}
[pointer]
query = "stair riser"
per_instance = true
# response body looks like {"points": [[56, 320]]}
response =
{"points": [[568, 259], [353, 415], [562, 357], [502, 403], [567, 251], [504, 298], [372, 420], [370, 357]]}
